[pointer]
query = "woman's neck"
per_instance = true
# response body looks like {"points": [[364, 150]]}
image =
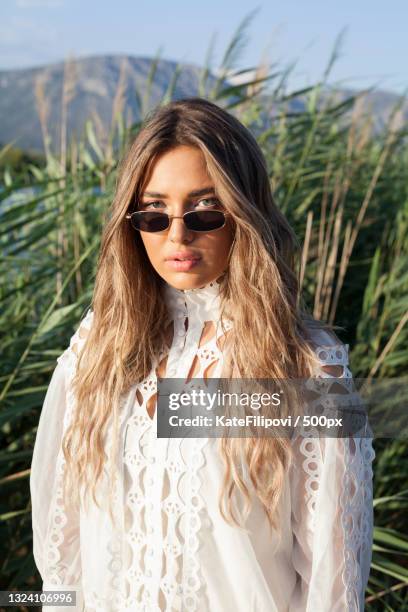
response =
{"points": [[202, 303]]}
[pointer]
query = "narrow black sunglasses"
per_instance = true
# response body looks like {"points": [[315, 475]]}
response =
{"points": [[194, 220]]}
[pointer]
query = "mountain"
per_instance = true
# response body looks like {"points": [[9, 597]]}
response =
{"points": [[94, 87], [93, 83]]}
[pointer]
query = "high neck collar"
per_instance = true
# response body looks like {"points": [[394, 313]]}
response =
{"points": [[202, 303]]}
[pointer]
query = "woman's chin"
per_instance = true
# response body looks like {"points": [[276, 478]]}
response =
{"points": [[188, 280]]}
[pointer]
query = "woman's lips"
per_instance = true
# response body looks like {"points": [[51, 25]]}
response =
{"points": [[182, 266]]}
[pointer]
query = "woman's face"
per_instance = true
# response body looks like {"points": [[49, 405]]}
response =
{"points": [[175, 175]]}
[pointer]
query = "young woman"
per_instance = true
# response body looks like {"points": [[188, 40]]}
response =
{"points": [[195, 279]]}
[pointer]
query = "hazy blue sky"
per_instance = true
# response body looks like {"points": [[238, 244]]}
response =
{"points": [[374, 51]]}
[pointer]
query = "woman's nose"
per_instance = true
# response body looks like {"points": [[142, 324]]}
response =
{"points": [[178, 230]]}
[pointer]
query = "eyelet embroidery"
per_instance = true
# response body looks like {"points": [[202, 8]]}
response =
{"points": [[181, 555], [355, 513], [55, 536]]}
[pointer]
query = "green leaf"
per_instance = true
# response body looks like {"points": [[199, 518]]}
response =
{"points": [[56, 318]]}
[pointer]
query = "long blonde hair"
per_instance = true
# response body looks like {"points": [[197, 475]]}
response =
{"points": [[270, 333]]}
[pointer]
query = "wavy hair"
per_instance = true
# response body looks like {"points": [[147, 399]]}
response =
{"points": [[259, 292]]}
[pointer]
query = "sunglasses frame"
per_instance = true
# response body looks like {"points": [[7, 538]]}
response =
{"points": [[170, 217]]}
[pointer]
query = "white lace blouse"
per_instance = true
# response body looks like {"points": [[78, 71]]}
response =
{"points": [[172, 550]]}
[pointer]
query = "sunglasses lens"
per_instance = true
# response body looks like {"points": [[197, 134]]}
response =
{"points": [[205, 220], [197, 221], [150, 221]]}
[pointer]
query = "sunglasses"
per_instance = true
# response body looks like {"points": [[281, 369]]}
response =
{"points": [[196, 221]]}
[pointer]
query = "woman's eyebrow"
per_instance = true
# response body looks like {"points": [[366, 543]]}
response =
{"points": [[193, 194]]}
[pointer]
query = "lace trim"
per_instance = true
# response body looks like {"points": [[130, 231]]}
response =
{"points": [[191, 578], [310, 446], [355, 501], [179, 586], [310, 449], [186, 594], [55, 535], [59, 519], [356, 496]]}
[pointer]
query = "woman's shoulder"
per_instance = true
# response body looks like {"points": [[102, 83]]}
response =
{"points": [[77, 340], [329, 350]]}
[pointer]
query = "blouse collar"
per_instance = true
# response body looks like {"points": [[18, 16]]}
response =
{"points": [[202, 303]]}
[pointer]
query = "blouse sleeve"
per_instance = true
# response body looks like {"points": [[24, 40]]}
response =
{"points": [[332, 509], [55, 523]]}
